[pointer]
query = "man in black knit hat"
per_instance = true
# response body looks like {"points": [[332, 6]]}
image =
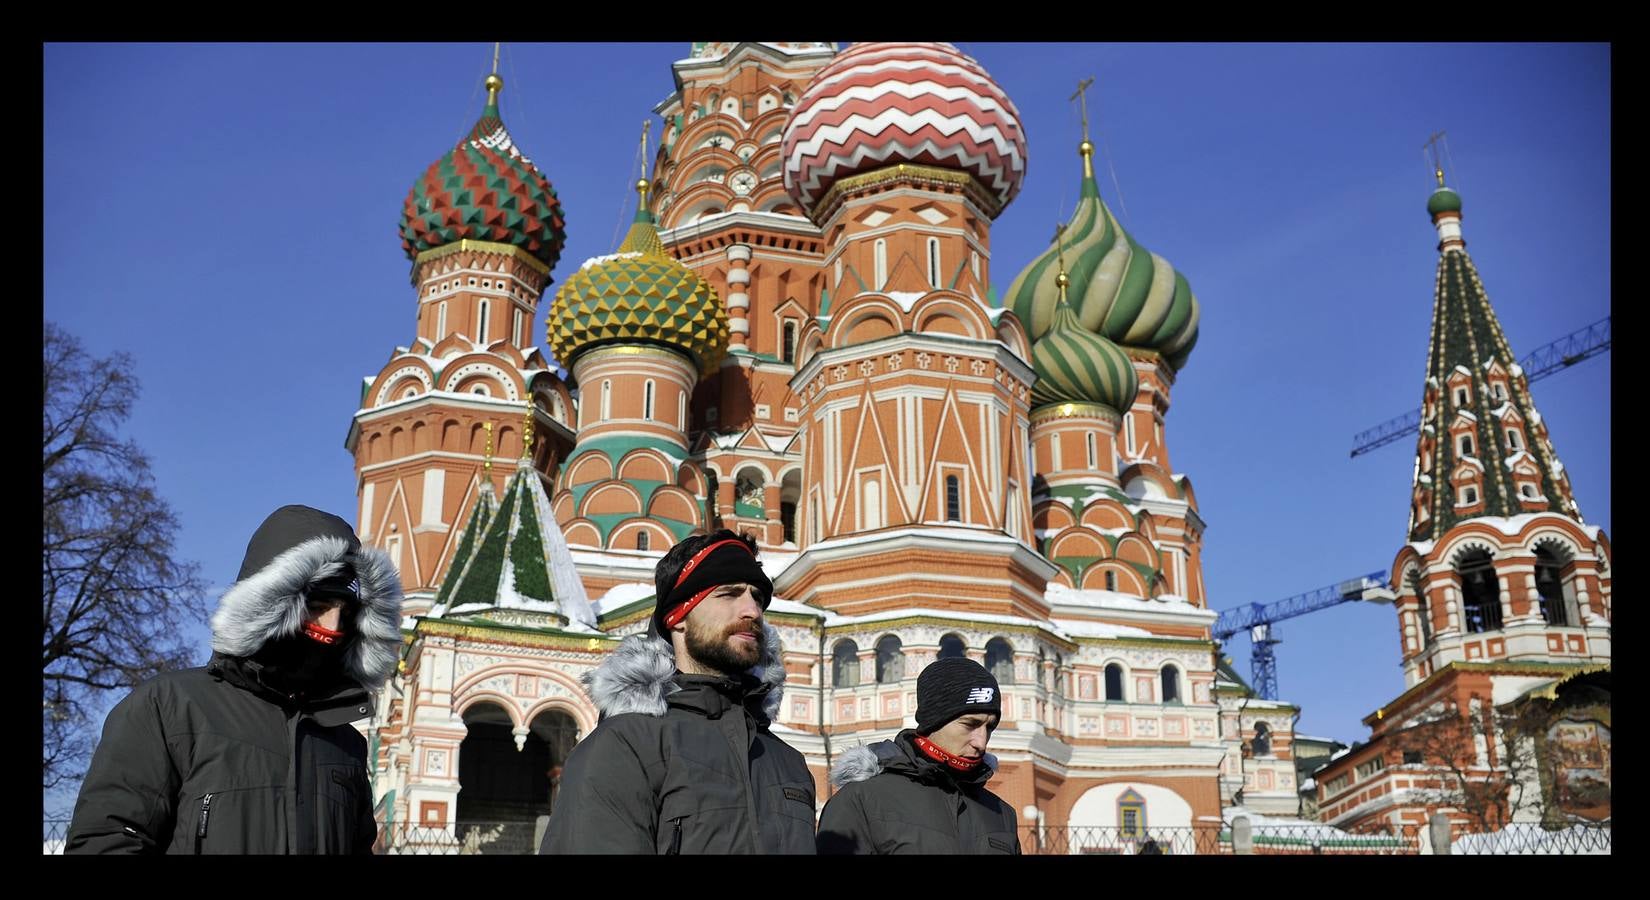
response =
{"points": [[682, 761], [254, 752], [924, 791]]}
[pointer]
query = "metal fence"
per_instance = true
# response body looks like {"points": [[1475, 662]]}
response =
{"points": [[457, 839], [1213, 839], [517, 838]]}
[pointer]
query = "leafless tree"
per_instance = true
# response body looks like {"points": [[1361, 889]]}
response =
{"points": [[112, 594]]}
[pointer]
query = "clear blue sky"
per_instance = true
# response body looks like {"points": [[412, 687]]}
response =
{"points": [[227, 214]]}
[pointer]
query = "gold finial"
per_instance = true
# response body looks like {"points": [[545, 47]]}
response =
{"points": [[527, 431], [487, 457], [1431, 147], [494, 83], [1061, 280], [1085, 148]]}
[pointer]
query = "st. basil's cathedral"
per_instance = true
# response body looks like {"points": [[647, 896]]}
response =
{"points": [[798, 338]]}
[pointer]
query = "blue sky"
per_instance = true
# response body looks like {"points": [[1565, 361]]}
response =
{"points": [[228, 214]]}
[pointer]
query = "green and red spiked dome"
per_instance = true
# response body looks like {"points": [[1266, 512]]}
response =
{"points": [[484, 189]]}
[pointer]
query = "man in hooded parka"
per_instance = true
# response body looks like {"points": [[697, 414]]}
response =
{"points": [[254, 752]]}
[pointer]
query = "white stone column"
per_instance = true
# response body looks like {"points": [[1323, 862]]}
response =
{"points": [[739, 301]]}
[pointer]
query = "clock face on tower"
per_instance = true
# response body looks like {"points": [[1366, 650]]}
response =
{"points": [[742, 183]]}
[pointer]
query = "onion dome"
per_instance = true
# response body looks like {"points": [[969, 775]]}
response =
{"points": [[879, 104], [1075, 365], [639, 295], [1118, 289], [484, 189], [1443, 200]]}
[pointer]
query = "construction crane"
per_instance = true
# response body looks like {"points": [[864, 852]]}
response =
{"points": [[1261, 620], [1554, 357]]}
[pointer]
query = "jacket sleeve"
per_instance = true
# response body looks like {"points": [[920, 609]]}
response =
{"points": [[128, 802], [843, 827], [366, 825], [606, 802]]}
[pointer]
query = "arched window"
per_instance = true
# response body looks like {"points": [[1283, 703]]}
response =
{"points": [[441, 320], [845, 664], [951, 647], [641, 540], [1111, 581], [890, 660], [1426, 607], [1171, 684], [1469, 495], [879, 263], [870, 512], [1093, 457], [1263, 739], [1059, 674], [1466, 445], [1480, 592], [481, 321], [647, 399], [787, 349], [607, 400], [515, 327], [1461, 396], [1114, 682], [934, 262], [1549, 583], [999, 660], [953, 499], [1042, 674]]}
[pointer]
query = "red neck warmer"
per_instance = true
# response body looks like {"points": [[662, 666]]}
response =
{"points": [[315, 631], [933, 752]]}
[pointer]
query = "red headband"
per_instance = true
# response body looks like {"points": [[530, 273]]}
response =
{"points": [[676, 615]]}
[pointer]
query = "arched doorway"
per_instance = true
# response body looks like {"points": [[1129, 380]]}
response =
{"points": [[506, 784]]}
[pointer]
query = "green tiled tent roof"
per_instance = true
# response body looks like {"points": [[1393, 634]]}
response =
{"points": [[484, 189], [1118, 289]]}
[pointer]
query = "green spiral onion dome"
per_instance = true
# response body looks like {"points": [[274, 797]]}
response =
{"points": [[1118, 290], [1443, 200], [484, 189], [639, 295], [1075, 365]]}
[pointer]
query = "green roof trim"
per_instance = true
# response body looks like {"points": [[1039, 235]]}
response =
{"points": [[527, 556], [479, 583], [479, 517]]}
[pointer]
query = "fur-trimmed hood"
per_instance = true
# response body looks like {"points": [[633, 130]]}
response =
{"points": [[271, 602], [639, 676], [869, 760]]}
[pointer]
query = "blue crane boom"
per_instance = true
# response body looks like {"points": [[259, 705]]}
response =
{"points": [[1260, 619], [1543, 361]]}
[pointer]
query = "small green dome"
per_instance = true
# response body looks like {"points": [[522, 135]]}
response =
{"points": [[1119, 289], [1075, 365], [1443, 200], [639, 295]]}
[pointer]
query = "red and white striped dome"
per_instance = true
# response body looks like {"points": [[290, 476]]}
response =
{"points": [[878, 104]]}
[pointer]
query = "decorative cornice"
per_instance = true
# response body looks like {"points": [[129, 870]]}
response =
{"points": [[510, 634], [464, 245]]}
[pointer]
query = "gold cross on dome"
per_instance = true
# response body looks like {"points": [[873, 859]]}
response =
{"points": [[1431, 147], [1081, 96]]}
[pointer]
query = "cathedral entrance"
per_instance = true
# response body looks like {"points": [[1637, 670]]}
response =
{"points": [[506, 781]]}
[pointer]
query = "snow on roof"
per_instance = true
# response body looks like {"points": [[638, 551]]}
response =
{"points": [[1339, 753], [1313, 737], [776, 442], [598, 260], [1103, 599], [972, 535], [906, 299], [621, 595], [1079, 628]]}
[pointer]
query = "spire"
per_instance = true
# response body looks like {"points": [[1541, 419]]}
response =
{"points": [[643, 236], [494, 83], [1085, 148], [526, 460], [1445, 204]]}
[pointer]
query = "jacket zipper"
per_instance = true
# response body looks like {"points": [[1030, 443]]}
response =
{"points": [[676, 838], [200, 830]]}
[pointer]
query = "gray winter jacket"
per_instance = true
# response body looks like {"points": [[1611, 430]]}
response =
{"points": [[683, 763], [222, 759], [890, 798]]}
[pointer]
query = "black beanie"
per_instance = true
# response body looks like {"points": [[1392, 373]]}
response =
{"points": [[954, 687], [288, 527]]}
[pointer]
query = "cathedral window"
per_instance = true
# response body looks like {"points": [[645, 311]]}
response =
{"points": [[1114, 682], [787, 347], [890, 660], [607, 400], [845, 664], [441, 320], [1500, 391], [1512, 439], [1263, 740], [1093, 457], [1466, 445], [641, 540], [934, 262], [481, 320], [1461, 396], [647, 400], [1131, 815], [999, 660], [1171, 685], [879, 261], [1111, 581], [951, 647], [1480, 592], [953, 499], [1469, 496]]}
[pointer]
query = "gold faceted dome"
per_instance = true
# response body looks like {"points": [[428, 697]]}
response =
{"points": [[639, 295]]}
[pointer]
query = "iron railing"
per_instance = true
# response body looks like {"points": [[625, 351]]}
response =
{"points": [[1580, 839], [1268, 839], [457, 839]]}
